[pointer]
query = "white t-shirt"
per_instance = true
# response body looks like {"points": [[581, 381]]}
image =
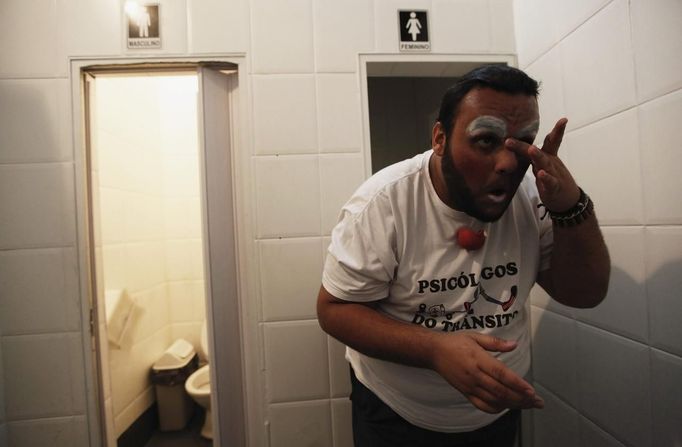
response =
{"points": [[395, 242]]}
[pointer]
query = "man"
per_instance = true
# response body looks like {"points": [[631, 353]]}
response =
{"points": [[432, 261]]}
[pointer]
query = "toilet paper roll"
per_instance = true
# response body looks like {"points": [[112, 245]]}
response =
{"points": [[120, 311]]}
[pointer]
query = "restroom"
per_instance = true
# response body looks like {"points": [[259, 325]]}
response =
{"points": [[300, 142], [148, 205]]}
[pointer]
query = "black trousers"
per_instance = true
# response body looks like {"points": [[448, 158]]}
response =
{"points": [[375, 424]]}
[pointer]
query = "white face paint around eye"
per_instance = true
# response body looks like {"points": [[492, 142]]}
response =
{"points": [[498, 127], [529, 132], [488, 124]]}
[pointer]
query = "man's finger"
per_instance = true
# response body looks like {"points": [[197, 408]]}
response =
{"points": [[554, 138], [484, 405], [508, 378], [502, 393], [519, 147], [497, 395], [538, 158], [548, 183], [493, 344]]}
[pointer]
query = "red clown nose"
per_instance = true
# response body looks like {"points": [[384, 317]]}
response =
{"points": [[470, 239]]}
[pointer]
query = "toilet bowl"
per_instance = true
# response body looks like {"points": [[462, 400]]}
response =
{"points": [[198, 386]]}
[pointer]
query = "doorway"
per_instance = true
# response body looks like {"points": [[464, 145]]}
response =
{"points": [[402, 111], [401, 98], [161, 238]]}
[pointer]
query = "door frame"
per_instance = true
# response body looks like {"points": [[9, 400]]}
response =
{"points": [[240, 114]]}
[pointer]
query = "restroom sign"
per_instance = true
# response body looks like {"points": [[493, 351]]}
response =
{"points": [[414, 30], [144, 29]]}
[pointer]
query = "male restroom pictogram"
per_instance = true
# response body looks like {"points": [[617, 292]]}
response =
{"points": [[143, 25]]}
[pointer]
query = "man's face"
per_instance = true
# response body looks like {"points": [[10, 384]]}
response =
{"points": [[480, 174]]}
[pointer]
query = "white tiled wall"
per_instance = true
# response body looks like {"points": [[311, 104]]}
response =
{"points": [[214, 24], [663, 264], [341, 31], [42, 389], [612, 26], [548, 69], [591, 150], [556, 418], [340, 174], [627, 287], [296, 361], [613, 68], [591, 434], [282, 36], [656, 119], [600, 362], [62, 432], [79, 18], [287, 196], [656, 45], [294, 268], [47, 383], [282, 100], [50, 138], [665, 369], [558, 335], [338, 112], [465, 26], [308, 423], [38, 56], [43, 215]]}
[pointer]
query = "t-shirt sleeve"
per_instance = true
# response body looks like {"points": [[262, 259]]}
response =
{"points": [[360, 259]]}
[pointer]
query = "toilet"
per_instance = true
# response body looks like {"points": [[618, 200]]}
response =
{"points": [[198, 386]]}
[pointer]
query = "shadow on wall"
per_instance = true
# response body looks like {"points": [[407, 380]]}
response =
{"points": [[608, 374], [42, 372], [37, 103], [46, 186]]}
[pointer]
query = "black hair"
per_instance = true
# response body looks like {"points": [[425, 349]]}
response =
{"points": [[501, 78]]}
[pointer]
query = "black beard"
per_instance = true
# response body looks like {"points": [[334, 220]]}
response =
{"points": [[459, 194]]}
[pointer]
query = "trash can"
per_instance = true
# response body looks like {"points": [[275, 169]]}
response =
{"points": [[168, 375]]}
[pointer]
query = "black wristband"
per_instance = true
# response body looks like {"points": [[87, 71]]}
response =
{"points": [[577, 214]]}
